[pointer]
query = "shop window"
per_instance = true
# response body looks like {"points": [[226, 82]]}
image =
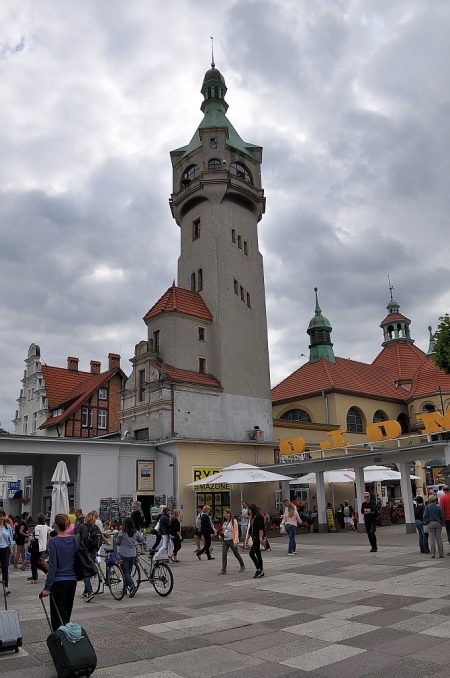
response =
{"points": [[296, 415], [355, 422]]}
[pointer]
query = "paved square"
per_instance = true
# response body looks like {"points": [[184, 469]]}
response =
{"points": [[335, 610]]}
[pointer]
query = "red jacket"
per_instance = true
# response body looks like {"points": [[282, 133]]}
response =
{"points": [[444, 503]]}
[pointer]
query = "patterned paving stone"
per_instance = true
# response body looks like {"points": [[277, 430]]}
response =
{"points": [[205, 662], [392, 601], [405, 668], [324, 657], [331, 630], [291, 649], [360, 665]]}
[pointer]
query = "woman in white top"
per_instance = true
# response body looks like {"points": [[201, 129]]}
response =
{"points": [[37, 561], [290, 521]]}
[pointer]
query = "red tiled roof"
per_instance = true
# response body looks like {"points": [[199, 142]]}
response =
{"points": [[179, 300], [400, 359], [77, 396], [61, 382], [344, 374], [428, 379], [393, 316], [176, 374]]}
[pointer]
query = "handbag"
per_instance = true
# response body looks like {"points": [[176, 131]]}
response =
{"points": [[156, 528], [84, 567], [282, 528], [33, 546]]}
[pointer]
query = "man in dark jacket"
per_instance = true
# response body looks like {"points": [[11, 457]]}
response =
{"points": [[206, 530], [370, 513]]}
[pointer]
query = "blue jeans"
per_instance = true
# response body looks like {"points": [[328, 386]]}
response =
{"points": [[423, 538], [290, 531], [127, 566]]}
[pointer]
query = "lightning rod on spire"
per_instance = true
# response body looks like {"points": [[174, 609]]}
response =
{"points": [[391, 287], [213, 65]]}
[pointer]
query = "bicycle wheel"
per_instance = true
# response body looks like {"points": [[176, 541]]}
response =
{"points": [[115, 581], [162, 579], [136, 575], [96, 581]]}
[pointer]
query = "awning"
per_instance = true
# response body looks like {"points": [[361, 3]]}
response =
{"points": [[435, 463], [15, 495]]}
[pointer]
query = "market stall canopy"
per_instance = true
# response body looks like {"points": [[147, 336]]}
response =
{"points": [[240, 473], [372, 474], [435, 463]]}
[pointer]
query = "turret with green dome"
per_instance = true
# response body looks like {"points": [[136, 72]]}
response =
{"points": [[319, 330]]}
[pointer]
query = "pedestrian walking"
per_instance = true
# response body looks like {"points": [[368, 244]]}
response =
{"points": [[91, 538], [21, 536], [164, 531], [6, 549], [175, 534], [419, 509], [256, 532], [155, 546], [370, 513], [290, 521], [230, 540], [433, 518], [61, 579], [37, 561], [127, 546], [444, 504], [243, 521], [347, 512], [206, 530]]}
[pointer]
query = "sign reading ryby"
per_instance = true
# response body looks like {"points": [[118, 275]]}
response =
{"points": [[432, 422], [200, 472]]}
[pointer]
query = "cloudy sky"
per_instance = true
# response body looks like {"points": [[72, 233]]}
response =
{"points": [[350, 100]]}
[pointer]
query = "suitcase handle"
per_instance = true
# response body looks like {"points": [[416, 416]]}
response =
{"points": [[4, 595], [41, 598]]}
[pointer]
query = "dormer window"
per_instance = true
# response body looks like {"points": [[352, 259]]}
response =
{"points": [[214, 165], [239, 170]]}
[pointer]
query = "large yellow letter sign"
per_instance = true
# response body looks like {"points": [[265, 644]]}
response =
{"points": [[292, 445], [337, 440], [384, 430], [435, 422]]}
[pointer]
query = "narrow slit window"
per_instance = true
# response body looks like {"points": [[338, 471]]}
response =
{"points": [[199, 279], [242, 293], [201, 333], [236, 286], [196, 229], [239, 242], [245, 247], [233, 235], [202, 365], [248, 300], [192, 282]]}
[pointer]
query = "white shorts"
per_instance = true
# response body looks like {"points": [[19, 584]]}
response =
{"points": [[348, 520]]}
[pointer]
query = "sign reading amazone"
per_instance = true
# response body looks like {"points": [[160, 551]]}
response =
{"points": [[432, 422]]}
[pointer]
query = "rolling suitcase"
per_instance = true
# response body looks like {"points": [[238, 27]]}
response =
{"points": [[10, 633], [71, 660]]}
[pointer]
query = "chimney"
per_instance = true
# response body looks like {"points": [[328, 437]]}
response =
{"points": [[72, 364], [114, 360], [95, 367]]}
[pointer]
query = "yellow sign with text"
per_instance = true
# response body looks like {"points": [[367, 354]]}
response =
{"points": [[200, 472], [432, 422]]}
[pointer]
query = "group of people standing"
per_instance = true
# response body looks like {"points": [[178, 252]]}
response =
{"points": [[430, 519]]}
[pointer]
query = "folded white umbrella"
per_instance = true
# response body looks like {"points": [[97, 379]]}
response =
{"points": [[240, 473], [60, 494]]}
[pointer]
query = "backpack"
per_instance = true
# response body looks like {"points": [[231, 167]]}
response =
{"points": [[346, 511], [198, 522], [93, 538]]}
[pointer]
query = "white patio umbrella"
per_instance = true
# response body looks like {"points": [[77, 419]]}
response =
{"points": [[60, 495], [372, 474], [240, 474]]}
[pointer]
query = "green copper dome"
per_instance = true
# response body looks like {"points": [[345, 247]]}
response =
{"points": [[319, 320]]}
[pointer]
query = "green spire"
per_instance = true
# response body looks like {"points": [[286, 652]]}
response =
{"points": [[431, 344], [319, 330]]}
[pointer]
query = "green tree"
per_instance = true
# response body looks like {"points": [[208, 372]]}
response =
{"points": [[441, 354]]}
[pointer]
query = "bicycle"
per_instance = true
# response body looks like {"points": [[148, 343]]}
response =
{"points": [[158, 573], [112, 578]]}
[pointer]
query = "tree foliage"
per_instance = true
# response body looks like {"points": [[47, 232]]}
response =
{"points": [[442, 344]]}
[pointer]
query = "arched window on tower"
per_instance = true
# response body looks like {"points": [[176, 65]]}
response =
{"points": [[428, 407], [190, 173], [390, 331], [214, 165], [239, 170], [355, 420], [297, 415], [380, 415]]}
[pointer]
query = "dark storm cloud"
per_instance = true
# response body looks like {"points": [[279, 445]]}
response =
{"points": [[350, 101]]}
